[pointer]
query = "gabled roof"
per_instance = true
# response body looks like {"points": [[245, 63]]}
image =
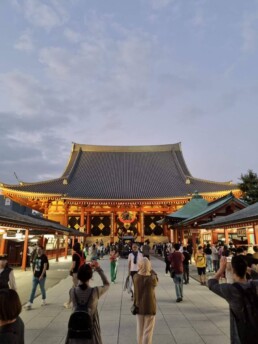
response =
{"points": [[247, 214], [196, 209], [195, 206], [124, 172], [13, 219]]}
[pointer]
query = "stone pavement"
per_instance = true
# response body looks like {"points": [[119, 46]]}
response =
{"points": [[201, 318]]}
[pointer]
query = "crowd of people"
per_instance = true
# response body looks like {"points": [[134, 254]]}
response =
{"points": [[235, 274]]}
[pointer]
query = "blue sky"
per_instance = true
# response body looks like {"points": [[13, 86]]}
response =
{"points": [[139, 72]]}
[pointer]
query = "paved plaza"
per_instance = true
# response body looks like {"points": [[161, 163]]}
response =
{"points": [[201, 318]]}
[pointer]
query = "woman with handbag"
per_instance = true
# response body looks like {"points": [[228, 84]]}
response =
{"points": [[145, 282]]}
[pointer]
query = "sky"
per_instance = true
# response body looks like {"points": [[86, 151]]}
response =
{"points": [[119, 72]]}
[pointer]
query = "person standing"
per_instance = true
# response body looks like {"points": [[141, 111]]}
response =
{"points": [[39, 277], [146, 249], [186, 265], [215, 258], [78, 259], [84, 293], [176, 261], [200, 260], [208, 253], [134, 259], [113, 257], [7, 279], [145, 281], [234, 295], [11, 325]]}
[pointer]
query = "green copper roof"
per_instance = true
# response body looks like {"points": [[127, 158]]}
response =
{"points": [[196, 205]]}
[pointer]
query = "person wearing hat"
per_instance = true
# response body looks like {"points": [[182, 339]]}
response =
{"points": [[7, 279]]}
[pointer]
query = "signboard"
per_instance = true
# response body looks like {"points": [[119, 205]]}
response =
{"points": [[241, 232]]}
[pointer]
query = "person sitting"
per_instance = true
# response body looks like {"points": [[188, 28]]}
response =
{"points": [[84, 294], [11, 325]]}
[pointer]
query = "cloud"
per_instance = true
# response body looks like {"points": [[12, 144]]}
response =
{"points": [[72, 36], [43, 15], [249, 32], [25, 42], [160, 4]]}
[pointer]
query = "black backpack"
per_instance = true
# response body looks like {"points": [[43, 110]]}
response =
{"points": [[247, 322], [80, 324]]}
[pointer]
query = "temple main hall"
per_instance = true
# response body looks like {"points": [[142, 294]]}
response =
{"points": [[110, 191]]}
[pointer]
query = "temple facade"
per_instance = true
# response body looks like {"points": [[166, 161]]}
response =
{"points": [[110, 191]]}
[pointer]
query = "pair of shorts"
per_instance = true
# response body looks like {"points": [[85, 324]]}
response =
{"points": [[201, 271]]}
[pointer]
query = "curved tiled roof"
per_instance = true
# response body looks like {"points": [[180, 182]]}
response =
{"points": [[125, 172], [249, 213]]}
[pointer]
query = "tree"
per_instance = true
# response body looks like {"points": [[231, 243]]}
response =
{"points": [[249, 187]]}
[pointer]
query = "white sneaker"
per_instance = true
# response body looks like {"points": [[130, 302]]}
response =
{"points": [[67, 305], [43, 303], [28, 306]]}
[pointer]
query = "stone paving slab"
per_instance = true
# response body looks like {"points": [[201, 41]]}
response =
{"points": [[202, 317]]}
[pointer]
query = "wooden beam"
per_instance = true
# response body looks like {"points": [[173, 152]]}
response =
{"points": [[25, 250]]}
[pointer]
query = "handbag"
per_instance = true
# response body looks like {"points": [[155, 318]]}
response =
{"points": [[134, 309], [172, 273]]}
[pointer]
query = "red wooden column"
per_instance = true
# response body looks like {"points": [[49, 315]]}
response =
{"points": [[112, 227], [226, 236], [142, 226], [25, 250], [66, 225], [82, 223], [2, 247], [255, 227], [88, 224], [66, 246], [57, 247]]}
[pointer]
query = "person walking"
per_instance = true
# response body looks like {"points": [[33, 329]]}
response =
{"points": [[134, 259], [113, 257], [145, 281], [215, 258], [7, 279], [200, 260], [186, 265], [39, 277], [11, 325], [176, 261], [85, 294]]}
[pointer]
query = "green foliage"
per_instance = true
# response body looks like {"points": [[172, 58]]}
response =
{"points": [[249, 187]]}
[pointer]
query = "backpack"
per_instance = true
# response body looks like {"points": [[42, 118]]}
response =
{"points": [[80, 323], [82, 259], [247, 324]]}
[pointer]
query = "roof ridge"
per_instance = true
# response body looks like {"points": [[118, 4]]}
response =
{"points": [[178, 165], [141, 148], [22, 183], [211, 181], [73, 167]]}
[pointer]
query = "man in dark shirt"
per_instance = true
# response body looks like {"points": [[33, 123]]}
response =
{"points": [[232, 295], [176, 261], [186, 265], [39, 277]]}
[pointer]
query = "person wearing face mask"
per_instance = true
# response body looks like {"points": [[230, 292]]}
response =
{"points": [[7, 279]]}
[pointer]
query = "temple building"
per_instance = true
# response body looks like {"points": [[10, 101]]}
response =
{"points": [[110, 191]]}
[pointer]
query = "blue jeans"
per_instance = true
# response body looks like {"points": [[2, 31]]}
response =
{"points": [[35, 282], [178, 280], [209, 262]]}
